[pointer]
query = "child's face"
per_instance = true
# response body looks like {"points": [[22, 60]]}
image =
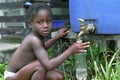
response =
{"points": [[42, 23]]}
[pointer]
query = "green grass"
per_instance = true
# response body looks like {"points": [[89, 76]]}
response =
{"points": [[103, 65], [2, 69]]}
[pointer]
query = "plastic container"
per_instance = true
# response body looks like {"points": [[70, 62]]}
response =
{"points": [[58, 24], [81, 66], [106, 13]]}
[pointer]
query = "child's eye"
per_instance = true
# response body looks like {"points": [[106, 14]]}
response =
{"points": [[40, 21], [49, 21]]}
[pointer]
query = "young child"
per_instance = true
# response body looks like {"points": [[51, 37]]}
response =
{"points": [[30, 61]]}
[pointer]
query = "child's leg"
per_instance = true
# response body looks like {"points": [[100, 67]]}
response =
{"points": [[30, 71], [51, 75], [41, 74], [54, 75], [34, 71]]}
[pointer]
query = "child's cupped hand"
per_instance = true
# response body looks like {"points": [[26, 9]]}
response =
{"points": [[79, 47]]}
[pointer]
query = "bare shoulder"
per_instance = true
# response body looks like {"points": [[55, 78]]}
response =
{"points": [[33, 40], [31, 37]]}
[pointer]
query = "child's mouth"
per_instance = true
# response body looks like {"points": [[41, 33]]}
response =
{"points": [[46, 32]]}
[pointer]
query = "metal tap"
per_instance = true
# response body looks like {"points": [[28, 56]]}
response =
{"points": [[82, 28], [85, 30]]}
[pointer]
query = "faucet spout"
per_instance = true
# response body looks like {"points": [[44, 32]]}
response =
{"points": [[82, 28]]}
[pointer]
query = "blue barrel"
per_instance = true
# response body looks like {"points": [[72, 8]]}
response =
{"points": [[106, 13], [58, 24]]}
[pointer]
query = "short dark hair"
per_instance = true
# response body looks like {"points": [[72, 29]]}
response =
{"points": [[34, 9]]}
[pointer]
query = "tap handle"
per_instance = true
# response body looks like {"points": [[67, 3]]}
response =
{"points": [[90, 28], [81, 22]]}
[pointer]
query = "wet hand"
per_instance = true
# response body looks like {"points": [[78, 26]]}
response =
{"points": [[61, 33], [79, 47]]}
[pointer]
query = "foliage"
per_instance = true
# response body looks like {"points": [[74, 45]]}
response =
{"points": [[2, 69], [68, 67], [103, 65]]}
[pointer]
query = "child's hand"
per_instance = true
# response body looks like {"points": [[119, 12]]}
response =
{"points": [[79, 47], [61, 33]]}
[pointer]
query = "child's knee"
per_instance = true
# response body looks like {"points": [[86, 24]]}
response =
{"points": [[39, 67], [60, 76], [55, 75], [39, 72]]}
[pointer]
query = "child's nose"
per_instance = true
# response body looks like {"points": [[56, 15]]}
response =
{"points": [[45, 24]]}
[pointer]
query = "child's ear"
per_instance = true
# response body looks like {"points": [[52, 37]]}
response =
{"points": [[30, 24]]}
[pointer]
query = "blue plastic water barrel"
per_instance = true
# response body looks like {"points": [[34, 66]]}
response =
{"points": [[58, 24], [106, 13]]}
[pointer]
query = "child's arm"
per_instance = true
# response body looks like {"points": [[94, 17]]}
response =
{"points": [[50, 64], [61, 33]]}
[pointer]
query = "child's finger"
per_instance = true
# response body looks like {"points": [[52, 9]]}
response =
{"points": [[82, 51], [67, 32], [86, 43], [83, 47]]}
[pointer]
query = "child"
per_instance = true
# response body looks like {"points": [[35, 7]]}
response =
{"points": [[30, 61]]}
